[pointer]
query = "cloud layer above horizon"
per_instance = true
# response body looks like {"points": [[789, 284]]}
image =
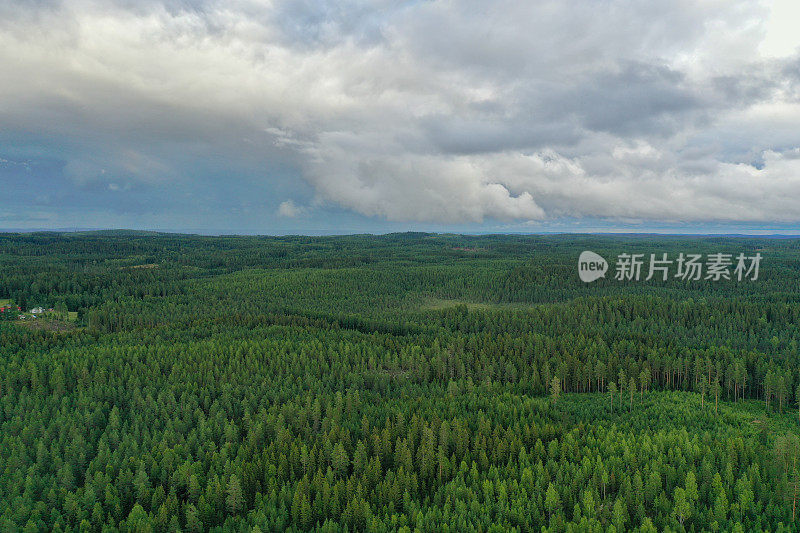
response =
{"points": [[445, 112]]}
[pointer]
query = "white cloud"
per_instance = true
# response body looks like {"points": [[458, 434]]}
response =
{"points": [[782, 37], [435, 112], [289, 209]]}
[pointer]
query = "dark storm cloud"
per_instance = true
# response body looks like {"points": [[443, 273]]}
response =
{"points": [[634, 100]]}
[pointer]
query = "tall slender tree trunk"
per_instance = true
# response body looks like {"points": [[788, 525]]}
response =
{"points": [[794, 495]]}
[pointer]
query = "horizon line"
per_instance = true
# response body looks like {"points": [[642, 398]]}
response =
{"points": [[324, 233]]}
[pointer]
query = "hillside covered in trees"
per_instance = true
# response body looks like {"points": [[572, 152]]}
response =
{"points": [[407, 382]]}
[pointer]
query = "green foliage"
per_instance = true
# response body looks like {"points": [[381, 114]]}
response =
{"points": [[296, 383], [555, 389]]}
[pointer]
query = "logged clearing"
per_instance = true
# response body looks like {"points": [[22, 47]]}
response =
{"points": [[144, 266], [46, 324], [432, 304]]}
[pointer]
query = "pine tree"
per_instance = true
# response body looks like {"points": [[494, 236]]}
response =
{"points": [[768, 388], [194, 489], [339, 459], [691, 487], [193, 522], [555, 389], [681, 505], [552, 500], [781, 390], [234, 499], [360, 458], [644, 381], [632, 391], [701, 388], [612, 389], [797, 397], [716, 390], [620, 513]]}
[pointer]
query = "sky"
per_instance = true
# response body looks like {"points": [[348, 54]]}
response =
{"points": [[278, 117]]}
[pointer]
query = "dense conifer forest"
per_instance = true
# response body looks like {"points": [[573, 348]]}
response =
{"points": [[407, 382]]}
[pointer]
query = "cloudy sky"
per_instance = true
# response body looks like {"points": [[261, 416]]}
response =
{"points": [[374, 116]]}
